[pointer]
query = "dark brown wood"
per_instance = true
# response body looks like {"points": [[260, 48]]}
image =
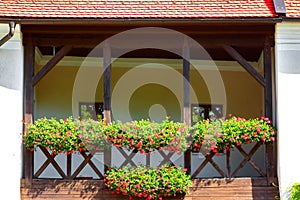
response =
{"points": [[148, 159], [87, 160], [51, 64], [107, 157], [202, 189], [107, 99], [228, 163], [28, 104], [268, 79], [128, 158], [208, 157], [50, 159], [107, 83], [91, 41], [188, 160], [82, 165], [214, 164], [187, 27], [186, 99], [186, 85], [247, 158], [69, 165], [270, 164], [243, 62], [166, 158]]}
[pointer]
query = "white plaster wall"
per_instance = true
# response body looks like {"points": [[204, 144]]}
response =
{"points": [[287, 54], [11, 92]]}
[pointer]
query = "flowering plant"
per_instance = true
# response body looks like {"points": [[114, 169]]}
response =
{"points": [[92, 134], [68, 135], [149, 183], [60, 136], [145, 136], [225, 133]]}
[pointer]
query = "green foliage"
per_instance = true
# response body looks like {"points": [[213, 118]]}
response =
{"points": [[145, 135], [225, 133], [149, 183], [295, 192], [57, 135], [92, 134]]}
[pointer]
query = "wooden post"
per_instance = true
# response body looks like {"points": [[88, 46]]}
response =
{"points": [[107, 98], [69, 166], [186, 99], [270, 169], [28, 104], [228, 163]]}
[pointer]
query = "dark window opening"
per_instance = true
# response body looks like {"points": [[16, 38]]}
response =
{"points": [[206, 111], [91, 111]]}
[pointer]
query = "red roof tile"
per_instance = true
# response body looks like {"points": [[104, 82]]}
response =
{"points": [[292, 8], [112, 9]]}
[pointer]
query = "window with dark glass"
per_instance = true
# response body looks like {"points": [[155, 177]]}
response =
{"points": [[206, 111], [91, 111]]}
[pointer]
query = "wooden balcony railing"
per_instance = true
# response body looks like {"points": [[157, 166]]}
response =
{"points": [[224, 169]]}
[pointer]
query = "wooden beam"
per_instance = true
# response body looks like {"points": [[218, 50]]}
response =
{"points": [[186, 99], [107, 98], [90, 41], [197, 27], [268, 79], [243, 62], [51, 64], [186, 85], [28, 104], [69, 166], [270, 164], [107, 83]]}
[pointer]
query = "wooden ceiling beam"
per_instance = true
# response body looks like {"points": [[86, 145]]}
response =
{"points": [[91, 41], [243, 62], [196, 28], [51, 64]]}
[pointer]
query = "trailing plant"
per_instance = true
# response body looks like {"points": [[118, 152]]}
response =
{"points": [[59, 136], [92, 134], [146, 136], [68, 135], [225, 133], [148, 183]]}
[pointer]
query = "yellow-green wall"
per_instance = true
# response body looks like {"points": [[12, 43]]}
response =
{"points": [[53, 94]]}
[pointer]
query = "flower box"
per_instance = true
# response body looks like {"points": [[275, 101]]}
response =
{"points": [[148, 183]]}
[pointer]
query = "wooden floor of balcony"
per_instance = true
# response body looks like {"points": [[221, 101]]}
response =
{"points": [[203, 189]]}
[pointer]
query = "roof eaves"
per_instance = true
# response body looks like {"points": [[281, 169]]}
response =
{"points": [[138, 20]]}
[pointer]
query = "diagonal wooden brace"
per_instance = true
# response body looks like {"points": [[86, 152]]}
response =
{"points": [[50, 159], [248, 158], [166, 158], [128, 158], [87, 160]]}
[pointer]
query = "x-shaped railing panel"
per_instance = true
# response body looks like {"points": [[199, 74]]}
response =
{"points": [[129, 158], [247, 158], [51, 160]]}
